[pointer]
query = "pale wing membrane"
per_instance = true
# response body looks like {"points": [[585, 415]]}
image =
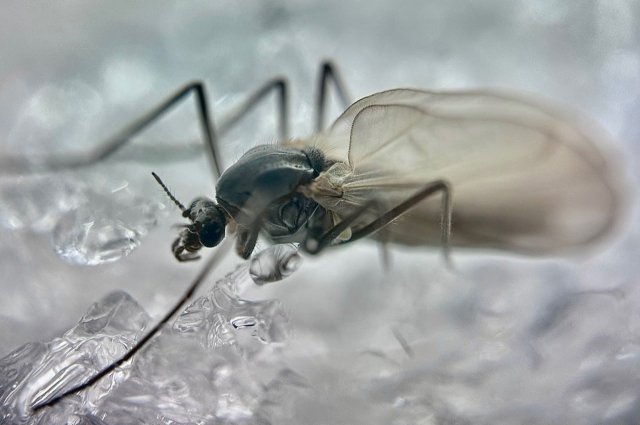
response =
{"points": [[523, 177]]}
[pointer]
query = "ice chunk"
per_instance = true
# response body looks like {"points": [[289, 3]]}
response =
{"points": [[274, 263], [36, 202], [38, 372], [214, 364], [218, 362], [222, 318], [104, 228], [90, 224]]}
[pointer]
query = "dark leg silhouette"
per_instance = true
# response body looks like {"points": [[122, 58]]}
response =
{"points": [[329, 72], [16, 165], [315, 246]]}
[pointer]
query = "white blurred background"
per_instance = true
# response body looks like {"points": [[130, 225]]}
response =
{"points": [[506, 340]]}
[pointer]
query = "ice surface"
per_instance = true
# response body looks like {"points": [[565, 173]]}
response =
{"points": [[36, 202], [104, 228], [38, 372], [505, 340], [89, 225], [229, 340]]}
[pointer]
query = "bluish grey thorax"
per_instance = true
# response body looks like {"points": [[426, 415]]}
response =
{"points": [[263, 176]]}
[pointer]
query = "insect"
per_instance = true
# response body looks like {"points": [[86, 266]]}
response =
{"points": [[479, 169], [512, 174]]}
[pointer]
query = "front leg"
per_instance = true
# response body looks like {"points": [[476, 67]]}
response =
{"points": [[246, 241], [186, 246], [316, 227]]}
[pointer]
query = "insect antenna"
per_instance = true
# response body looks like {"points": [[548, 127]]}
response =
{"points": [[168, 192]]}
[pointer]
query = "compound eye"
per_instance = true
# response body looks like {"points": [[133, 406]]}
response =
{"points": [[211, 234]]}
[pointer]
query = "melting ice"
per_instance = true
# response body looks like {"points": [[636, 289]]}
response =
{"points": [[211, 365]]}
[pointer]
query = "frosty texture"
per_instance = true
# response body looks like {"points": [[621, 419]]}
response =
{"points": [[90, 225], [37, 372], [214, 363], [36, 202], [103, 228], [505, 343]]}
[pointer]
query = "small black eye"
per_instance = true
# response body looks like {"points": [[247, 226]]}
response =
{"points": [[211, 234]]}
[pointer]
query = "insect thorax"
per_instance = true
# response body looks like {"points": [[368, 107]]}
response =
{"points": [[264, 185]]}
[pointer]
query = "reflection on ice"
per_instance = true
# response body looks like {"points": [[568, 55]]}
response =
{"points": [[104, 228], [216, 362], [36, 202], [37, 372], [90, 225]]}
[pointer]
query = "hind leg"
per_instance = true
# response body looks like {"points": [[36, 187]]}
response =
{"points": [[435, 187], [329, 72], [19, 165]]}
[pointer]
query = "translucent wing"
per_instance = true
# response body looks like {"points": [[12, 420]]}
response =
{"points": [[524, 177]]}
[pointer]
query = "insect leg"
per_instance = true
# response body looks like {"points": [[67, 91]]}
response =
{"points": [[280, 85], [329, 71], [314, 244], [446, 212], [386, 218], [247, 239], [17, 165], [114, 143], [430, 189], [383, 244]]}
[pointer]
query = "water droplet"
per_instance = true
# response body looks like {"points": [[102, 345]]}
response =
{"points": [[274, 263], [243, 322], [290, 264]]}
